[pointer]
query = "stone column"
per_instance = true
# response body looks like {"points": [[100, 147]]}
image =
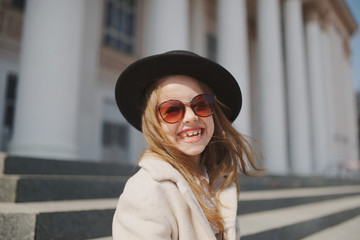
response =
{"points": [[317, 90], [233, 52], [270, 105], [335, 100], [351, 112], [198, 27], [46, 111], [297, 89], [91, 101], [166, 26], [329, 88]]}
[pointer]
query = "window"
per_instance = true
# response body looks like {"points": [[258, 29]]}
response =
{"points": [[115, 142], [15, 4], [18, 4], [119, 25], [9, 111], [115, 134]]}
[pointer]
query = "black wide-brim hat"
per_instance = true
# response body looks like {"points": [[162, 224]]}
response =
{"points": [[133, 81]]}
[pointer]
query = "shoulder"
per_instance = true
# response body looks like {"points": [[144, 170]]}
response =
{"points": [[142, 194], [155, 180], [142, 184], [135, 208]]}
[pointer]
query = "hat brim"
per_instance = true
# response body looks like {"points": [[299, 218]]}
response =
{"points": [[136, 77]]}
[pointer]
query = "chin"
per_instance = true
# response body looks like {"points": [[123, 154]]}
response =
{"points": [[193, 153]]}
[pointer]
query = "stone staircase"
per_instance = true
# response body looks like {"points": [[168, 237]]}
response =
{"points": [[53, 199]]}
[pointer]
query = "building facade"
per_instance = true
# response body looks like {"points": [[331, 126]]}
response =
{"points": [[59, 61]]}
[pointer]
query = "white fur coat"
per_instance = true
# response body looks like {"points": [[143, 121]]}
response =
{"points": [[158, 204]]}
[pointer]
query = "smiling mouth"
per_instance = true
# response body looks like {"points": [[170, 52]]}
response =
{"points": [[192, 134]]}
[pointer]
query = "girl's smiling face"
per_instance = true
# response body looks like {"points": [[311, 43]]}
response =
{"points": [[192, 133]]}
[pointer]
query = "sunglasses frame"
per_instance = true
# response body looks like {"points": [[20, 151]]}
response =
{"points": [[192, 105]]}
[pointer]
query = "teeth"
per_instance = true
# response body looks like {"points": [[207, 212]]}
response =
{"points": [[191, 134]]}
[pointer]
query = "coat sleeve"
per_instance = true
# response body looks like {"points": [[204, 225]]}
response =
{"points": [[140, 213]]}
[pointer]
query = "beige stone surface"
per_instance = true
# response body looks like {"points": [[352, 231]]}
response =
{"points": [[349, 230], [267, 220]]}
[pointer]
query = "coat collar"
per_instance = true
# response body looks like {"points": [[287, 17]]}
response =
{"points": [[160, 170]]}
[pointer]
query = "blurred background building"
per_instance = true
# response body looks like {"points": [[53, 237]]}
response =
{"points": [[59, 61]]}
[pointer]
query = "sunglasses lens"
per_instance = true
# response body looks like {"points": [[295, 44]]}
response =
{"points": [[171, 111], [203, 105]]}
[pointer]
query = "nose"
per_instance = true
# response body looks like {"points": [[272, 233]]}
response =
{"points": [[189, 115]]}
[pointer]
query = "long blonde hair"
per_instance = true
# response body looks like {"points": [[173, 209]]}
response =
{"points": [[227, 154]]}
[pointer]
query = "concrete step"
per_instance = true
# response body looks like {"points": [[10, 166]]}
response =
{"points": [[79, 219], [32, 188], [285, 182], [298, 221], [348, 230], [89, 219], [56, 199], [255, 201], [15, 165], [31, 179], [102, 238]]}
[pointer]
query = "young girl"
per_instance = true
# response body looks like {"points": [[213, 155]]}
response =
{"points": [[187, 187]]}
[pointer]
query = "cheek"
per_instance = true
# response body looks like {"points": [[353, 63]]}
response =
{"points": [[169, 130], [210, 126]]}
